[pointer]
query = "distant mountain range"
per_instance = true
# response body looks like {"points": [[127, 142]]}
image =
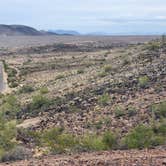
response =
{"points": [[64, 32], [19, 30]]}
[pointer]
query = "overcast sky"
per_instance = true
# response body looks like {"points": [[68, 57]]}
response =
{"points": [[111, 16]]}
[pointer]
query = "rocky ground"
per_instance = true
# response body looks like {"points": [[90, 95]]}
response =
{"points": [[113, 158], [91, 87]]}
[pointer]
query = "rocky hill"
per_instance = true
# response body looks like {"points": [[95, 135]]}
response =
{"points": [[98, 106], [15, 30]]}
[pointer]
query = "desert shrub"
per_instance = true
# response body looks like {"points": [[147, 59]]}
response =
{"points": [[159, 110], [104, 99], [7, 135], [102, 74], [60, 76], [26, 89], [153, 46], [109, 140], [10, 106], [131, 111], [143, 81], [57, 140], [44, 90], [98, 125], [11, 72], [92, 143], [160, 128], [13, 84], [53, 66], [39, 101], [17, 153], [126, 61], [142, 137], [80, 71], [119, 111], [12, 77], [107, 68]]}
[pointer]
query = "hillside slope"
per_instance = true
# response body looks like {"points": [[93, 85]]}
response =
{"points": [[16, 30], [74, 98]]}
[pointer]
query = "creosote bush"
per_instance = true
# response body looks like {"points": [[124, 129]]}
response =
{"points": [[143, 137], [159, 110], [104, 99], [26, 89], [119, 111], [110, 140], [107, 68], [39, 101], [143, 81], [44, 90], [80, 71], [7, 135], [10, 107]]}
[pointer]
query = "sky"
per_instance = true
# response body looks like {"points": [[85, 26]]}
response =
{"points": [[86, 16]]}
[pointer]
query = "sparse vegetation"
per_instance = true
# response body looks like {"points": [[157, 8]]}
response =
{"points": [[104, 99], [44, 90], [26, 89], [143, 137], [119, 111], [107, 68], [143, 81], [159, 110], [83, 98], [80, 71]]}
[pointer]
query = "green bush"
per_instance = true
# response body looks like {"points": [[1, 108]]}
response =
{"points": [[143, 137], [159, 110], [11, 72], [119, 111], [131, 111], [107, 68], [17, 153], [104, 99], [143, 81], [140, 137], [57, 141], [160, 128], [80, 71], [92, 143], [26, 89], [102, 74], [10, 107], [60, 77], [44, 90], [109, 140], [7, 135], [153, 46], [39, 101]]}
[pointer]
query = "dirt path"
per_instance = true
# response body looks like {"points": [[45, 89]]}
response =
{"points": [[154, 157]]}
